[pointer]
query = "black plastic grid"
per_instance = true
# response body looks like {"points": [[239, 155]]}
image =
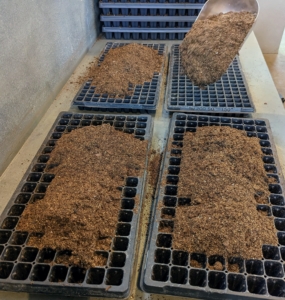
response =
{"points": [[169, 271], [24, 268], [227, 95], [143, 100], [151, 8]]}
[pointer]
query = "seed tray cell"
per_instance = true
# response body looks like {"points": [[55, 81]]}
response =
{"points": [[144, 98], [28, 269], [173, 272], [227, 95]]}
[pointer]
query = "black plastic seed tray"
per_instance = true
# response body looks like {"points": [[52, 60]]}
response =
{"points": [[145, 33], [169, 271], [26, 269], [151, 8], [227, 95], [143, 100]]}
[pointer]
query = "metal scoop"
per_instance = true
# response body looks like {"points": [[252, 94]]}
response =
{"points": [[214, 7]]}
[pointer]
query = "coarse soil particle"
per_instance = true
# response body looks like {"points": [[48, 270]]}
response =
{"points": [[233, 268], [222, 173], [80, 209], [195, 264], [126, 66], [210, 46], [218, 266]]}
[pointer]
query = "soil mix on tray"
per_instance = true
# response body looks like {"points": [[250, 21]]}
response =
{"points": [[222, 174], [210, 46], [80, 209], [124, 67]]}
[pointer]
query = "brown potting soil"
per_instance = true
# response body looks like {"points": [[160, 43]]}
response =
{"points": [[154, 167], [233, 268], [195, 264], [80, 209], [222, 173], [210, 46], [218, 266], [131, 64]]}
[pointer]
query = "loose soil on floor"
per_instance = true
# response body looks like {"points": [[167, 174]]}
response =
{"points": [[222, 173], [211, 45], [124, 67], [80, 209]]}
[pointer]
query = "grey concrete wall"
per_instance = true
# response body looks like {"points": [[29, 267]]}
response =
{"points": [[41, 43]]}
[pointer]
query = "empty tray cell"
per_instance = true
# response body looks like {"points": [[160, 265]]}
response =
{"points": [[58, 274], [275, 188], [264, 208], [281, 238], [114, 277], [120, 244], [36, 197], [46, 255], [162, 256], [235, 265], [125, 216], [256, 285], [184, 201], [129, 192], [278, 211], [169, 201], [217, 280], [41, 188], [118, 259], [34, 177], [95, 276], [9, 223], [198, 277], [180, 258], [39, 167], [18, 238], [270, 252], [224, 96], [23, 198], [127, 203], [132, 181], [164, 240], [160, 273], [170, 190], [276, 200], [123, 229], [16, 210], [11, 253], [29, 254], [273, 269], [254, 267], [5, 269], [47, 177], [76, 275], [21, 271], [237, 282], [40, 272], [276, 287], [28, 187], [4, 236], [178, 275], [279, 224]]}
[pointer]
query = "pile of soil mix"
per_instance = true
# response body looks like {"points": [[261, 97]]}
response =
{"points": [[210, 46], [79, 211], [223, 178], [124, 67]]}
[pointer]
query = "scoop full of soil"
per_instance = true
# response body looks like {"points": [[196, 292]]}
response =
{"points": [[211, 45], [124, 67]]}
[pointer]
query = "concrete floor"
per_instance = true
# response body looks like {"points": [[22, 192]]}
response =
{"points": [[276, 66], [265, 99]]}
